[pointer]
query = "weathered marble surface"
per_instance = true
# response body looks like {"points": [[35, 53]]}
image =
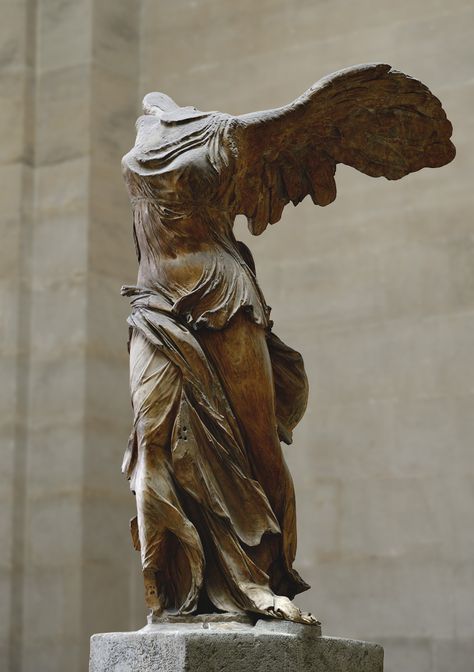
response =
{"points": [[213, 646]]}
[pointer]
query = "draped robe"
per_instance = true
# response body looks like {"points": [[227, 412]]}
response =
{"points": [[205, 523]]}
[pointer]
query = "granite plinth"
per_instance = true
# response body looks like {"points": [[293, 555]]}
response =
{"points": [[231, 646]]}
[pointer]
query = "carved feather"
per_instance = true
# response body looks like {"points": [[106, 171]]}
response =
{"points": [[371, 117]]}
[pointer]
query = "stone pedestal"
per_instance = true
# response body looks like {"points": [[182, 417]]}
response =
{"points": [[212, 645]]}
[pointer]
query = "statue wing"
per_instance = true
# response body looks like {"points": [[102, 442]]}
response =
{"points": [[371, 117]]}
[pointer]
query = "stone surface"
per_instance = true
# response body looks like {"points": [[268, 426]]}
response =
{"points": [[214, 645], [51, 58]]}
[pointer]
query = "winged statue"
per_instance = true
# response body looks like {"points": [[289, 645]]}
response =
{"points": [[214, 390]]}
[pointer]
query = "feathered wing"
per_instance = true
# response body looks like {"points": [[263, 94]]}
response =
{"points": [[371, 117]]}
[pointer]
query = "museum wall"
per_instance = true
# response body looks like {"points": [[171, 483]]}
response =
{"points": [[376, 291], [69, 85]]}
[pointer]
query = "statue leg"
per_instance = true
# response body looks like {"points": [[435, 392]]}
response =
{"points": [[240, 355], [150, 485], [163, 529]]}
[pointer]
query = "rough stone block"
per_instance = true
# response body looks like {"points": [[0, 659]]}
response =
{"points": [[213, 646]]}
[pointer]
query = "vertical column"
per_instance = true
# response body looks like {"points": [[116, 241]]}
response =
{"points": [[16, 155], [108, 504], [52, 580], [71, 510]]}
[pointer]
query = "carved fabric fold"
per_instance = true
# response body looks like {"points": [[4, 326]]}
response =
{"points": [[194, 480]]}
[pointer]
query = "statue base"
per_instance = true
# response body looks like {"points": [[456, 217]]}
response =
{"points": [[217, 642]]}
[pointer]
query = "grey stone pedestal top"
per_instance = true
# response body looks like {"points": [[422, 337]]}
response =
{"points": [[230, 644]]}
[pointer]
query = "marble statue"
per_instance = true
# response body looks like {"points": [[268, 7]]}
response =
{"points": [[214, 390]]}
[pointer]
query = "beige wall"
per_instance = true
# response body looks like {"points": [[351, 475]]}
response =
{"points": [[70, 72], [376, 291]]}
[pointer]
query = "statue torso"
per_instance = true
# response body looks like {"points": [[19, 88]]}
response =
{"points": [[179, 179]]}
